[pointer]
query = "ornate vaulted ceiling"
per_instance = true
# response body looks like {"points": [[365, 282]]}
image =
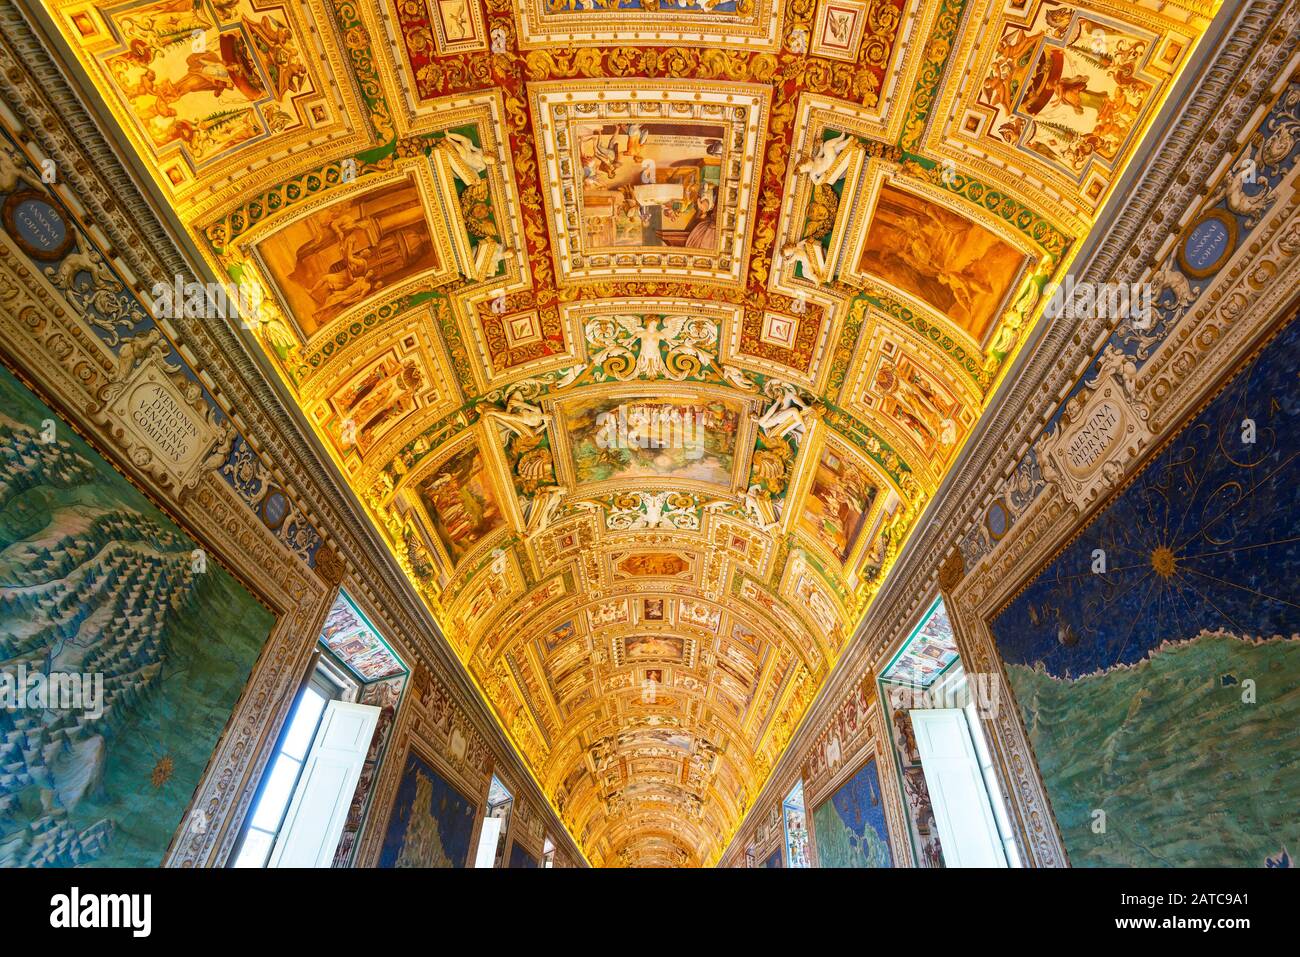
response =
{"points": [[644, 329]]}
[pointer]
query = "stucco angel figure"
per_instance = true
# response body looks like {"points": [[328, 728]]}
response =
{"points": [[666, 509], [809, 254], [542, 512], [831, 161], [684, 337], [520, 415], [467, 160], [787, 414]]}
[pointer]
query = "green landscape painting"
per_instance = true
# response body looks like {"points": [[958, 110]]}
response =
{"points": [[98, 586]]}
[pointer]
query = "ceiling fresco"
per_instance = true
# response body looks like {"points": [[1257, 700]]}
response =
{"points": [[643, 330]]}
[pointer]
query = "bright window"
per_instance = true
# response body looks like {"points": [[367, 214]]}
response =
{"points": [[286, 769], [795, 818], [495, 827]]}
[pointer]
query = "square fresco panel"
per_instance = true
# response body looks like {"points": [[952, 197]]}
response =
{"points": [[462, 502], [1053, 96], [850, 826], [651, 175], [838, 501], [1166, 691], [95, 580], [615, 439], [215, 90], [649, 184], [335, 258], [947, 261], [431, 824]]}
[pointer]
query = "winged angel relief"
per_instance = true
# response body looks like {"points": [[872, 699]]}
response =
{"points": [[650, 347], [637, 510]]}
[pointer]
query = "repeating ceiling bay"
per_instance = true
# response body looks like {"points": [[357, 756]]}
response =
{"points": [[643, 331]]}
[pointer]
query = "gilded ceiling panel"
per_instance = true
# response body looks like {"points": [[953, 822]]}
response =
{"points": [[643, 330]]}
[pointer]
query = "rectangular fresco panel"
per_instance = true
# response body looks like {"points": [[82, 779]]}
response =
{"points": [[431, 824], [837, 503], [617, 438], [462, 502], [649, 184], [929, 652], [659, 647], [573, 23], [850, 825], [945, 260], [370, 404], [1166, 691], [204, 84], [350, 635], [95, 580], [336, 257]]}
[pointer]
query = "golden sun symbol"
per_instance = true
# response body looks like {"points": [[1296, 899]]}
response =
{"points": [[1163, 561], [162, 771]]}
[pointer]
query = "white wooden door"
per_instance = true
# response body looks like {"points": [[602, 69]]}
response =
{"points": [[488, 836], [319, 809], [967, 831]]}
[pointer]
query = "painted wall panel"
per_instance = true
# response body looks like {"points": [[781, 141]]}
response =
{"points": [[94, 579], [1165, 691], [850, 827], [519, 857], [431, 824]]}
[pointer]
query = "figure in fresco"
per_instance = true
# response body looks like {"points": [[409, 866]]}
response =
{"points": [[1067, 87], [650, 183], [335, 257], [462, 502], [192, 80], [838, 501], [948, 261]]}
